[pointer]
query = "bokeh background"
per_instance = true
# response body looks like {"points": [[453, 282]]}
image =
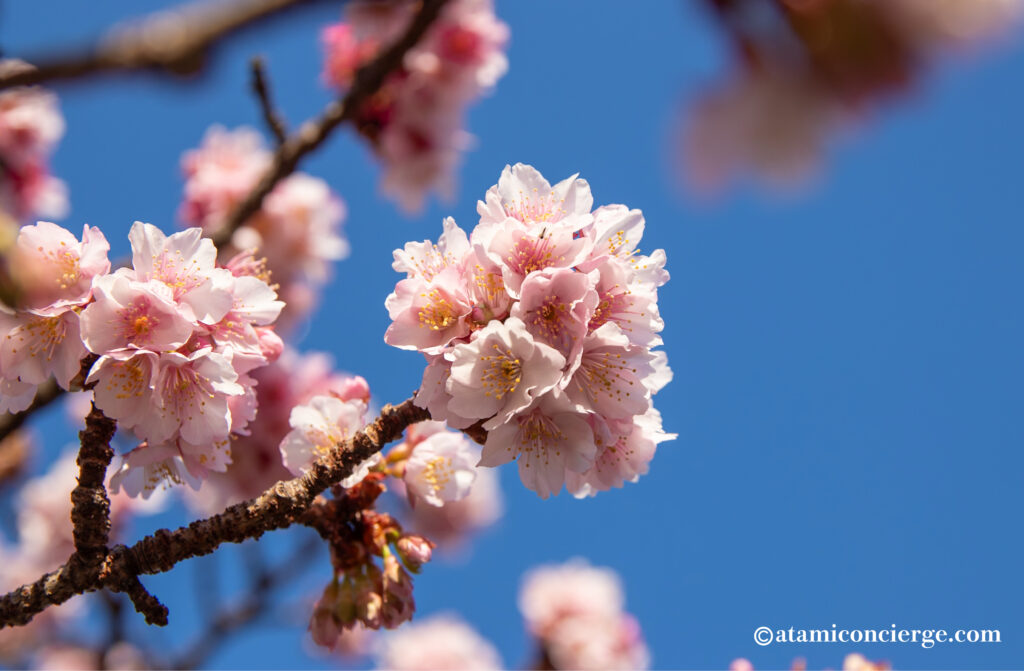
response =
{"points": [[847, 354]]}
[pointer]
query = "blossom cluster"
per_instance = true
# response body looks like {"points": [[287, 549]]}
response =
{"points": [[576, 613], [415, 121], [296, 232], [539, 327], [30, 127], [174, 339], [811, 69]]}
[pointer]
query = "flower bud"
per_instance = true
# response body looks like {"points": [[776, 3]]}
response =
{"points": [[414, 551]]}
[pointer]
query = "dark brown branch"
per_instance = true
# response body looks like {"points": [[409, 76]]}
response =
{"points": [[90, 506], [274, 509], [176, 42], [368, 80], [260, 86]]}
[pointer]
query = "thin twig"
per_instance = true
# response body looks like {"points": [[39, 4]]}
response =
{"points": [[261, 87], [276, 508], [174, 42], [368, 80], [260, 589]]}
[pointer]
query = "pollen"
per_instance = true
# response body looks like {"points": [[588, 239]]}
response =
{"points": [[502, 373]]}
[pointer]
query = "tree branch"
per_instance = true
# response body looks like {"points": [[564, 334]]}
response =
{"points": [[274, 509], [275, 122], [368, 80], [176, 42], [251, 607]]}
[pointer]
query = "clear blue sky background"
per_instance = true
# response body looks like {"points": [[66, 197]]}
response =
{"points": [[848, 362]]}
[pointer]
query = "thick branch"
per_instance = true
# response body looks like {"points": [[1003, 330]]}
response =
{"points": [[368, 80], [175, 42], [274, 509], [90, 507], [273, 118]]}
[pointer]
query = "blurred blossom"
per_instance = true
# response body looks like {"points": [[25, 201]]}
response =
{"points": [[30, 127], [451, 524], [805, 71], [437, 643], [414, 123], [120, 657], [295, 236], [852, 662], [44, 541], [576, 613]]}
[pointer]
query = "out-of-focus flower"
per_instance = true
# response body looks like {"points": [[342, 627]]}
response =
{"points": [[807, 70], [440, 642], [414, 122], [575, 612], [30, 127], [292, 239]]}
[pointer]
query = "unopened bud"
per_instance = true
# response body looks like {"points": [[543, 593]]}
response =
{"points": [[415, 551]]}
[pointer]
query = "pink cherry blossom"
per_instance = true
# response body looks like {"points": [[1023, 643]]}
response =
{"points": [[520, 249], [425, 260], [123, 386], [130, 314], [415, 121], [624, 452], [220, 173], [428, 316], [540, 327], [609, 379], [523, 194], [146, 468], [548, 439], [37, 346], [451, 524], [557, 306], [190, 397], [441, 468], [186, 263], [54, 269], [317, 427], [30, 126], [633, 307], [500, 372], [598, 643], [438, 643], [553, 593]]}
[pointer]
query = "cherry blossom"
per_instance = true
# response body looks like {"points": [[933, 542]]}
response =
{"points": [[576, 613], [414, 123], [539, 326], [317, 427], [441, 468], [440, 642], [293, 238], [30, 127]]}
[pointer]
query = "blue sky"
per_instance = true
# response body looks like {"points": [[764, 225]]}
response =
{"points": [[847, 360]]}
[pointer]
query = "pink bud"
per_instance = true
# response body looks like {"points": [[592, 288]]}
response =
{"points": [[271, 344], [414, 550]]}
